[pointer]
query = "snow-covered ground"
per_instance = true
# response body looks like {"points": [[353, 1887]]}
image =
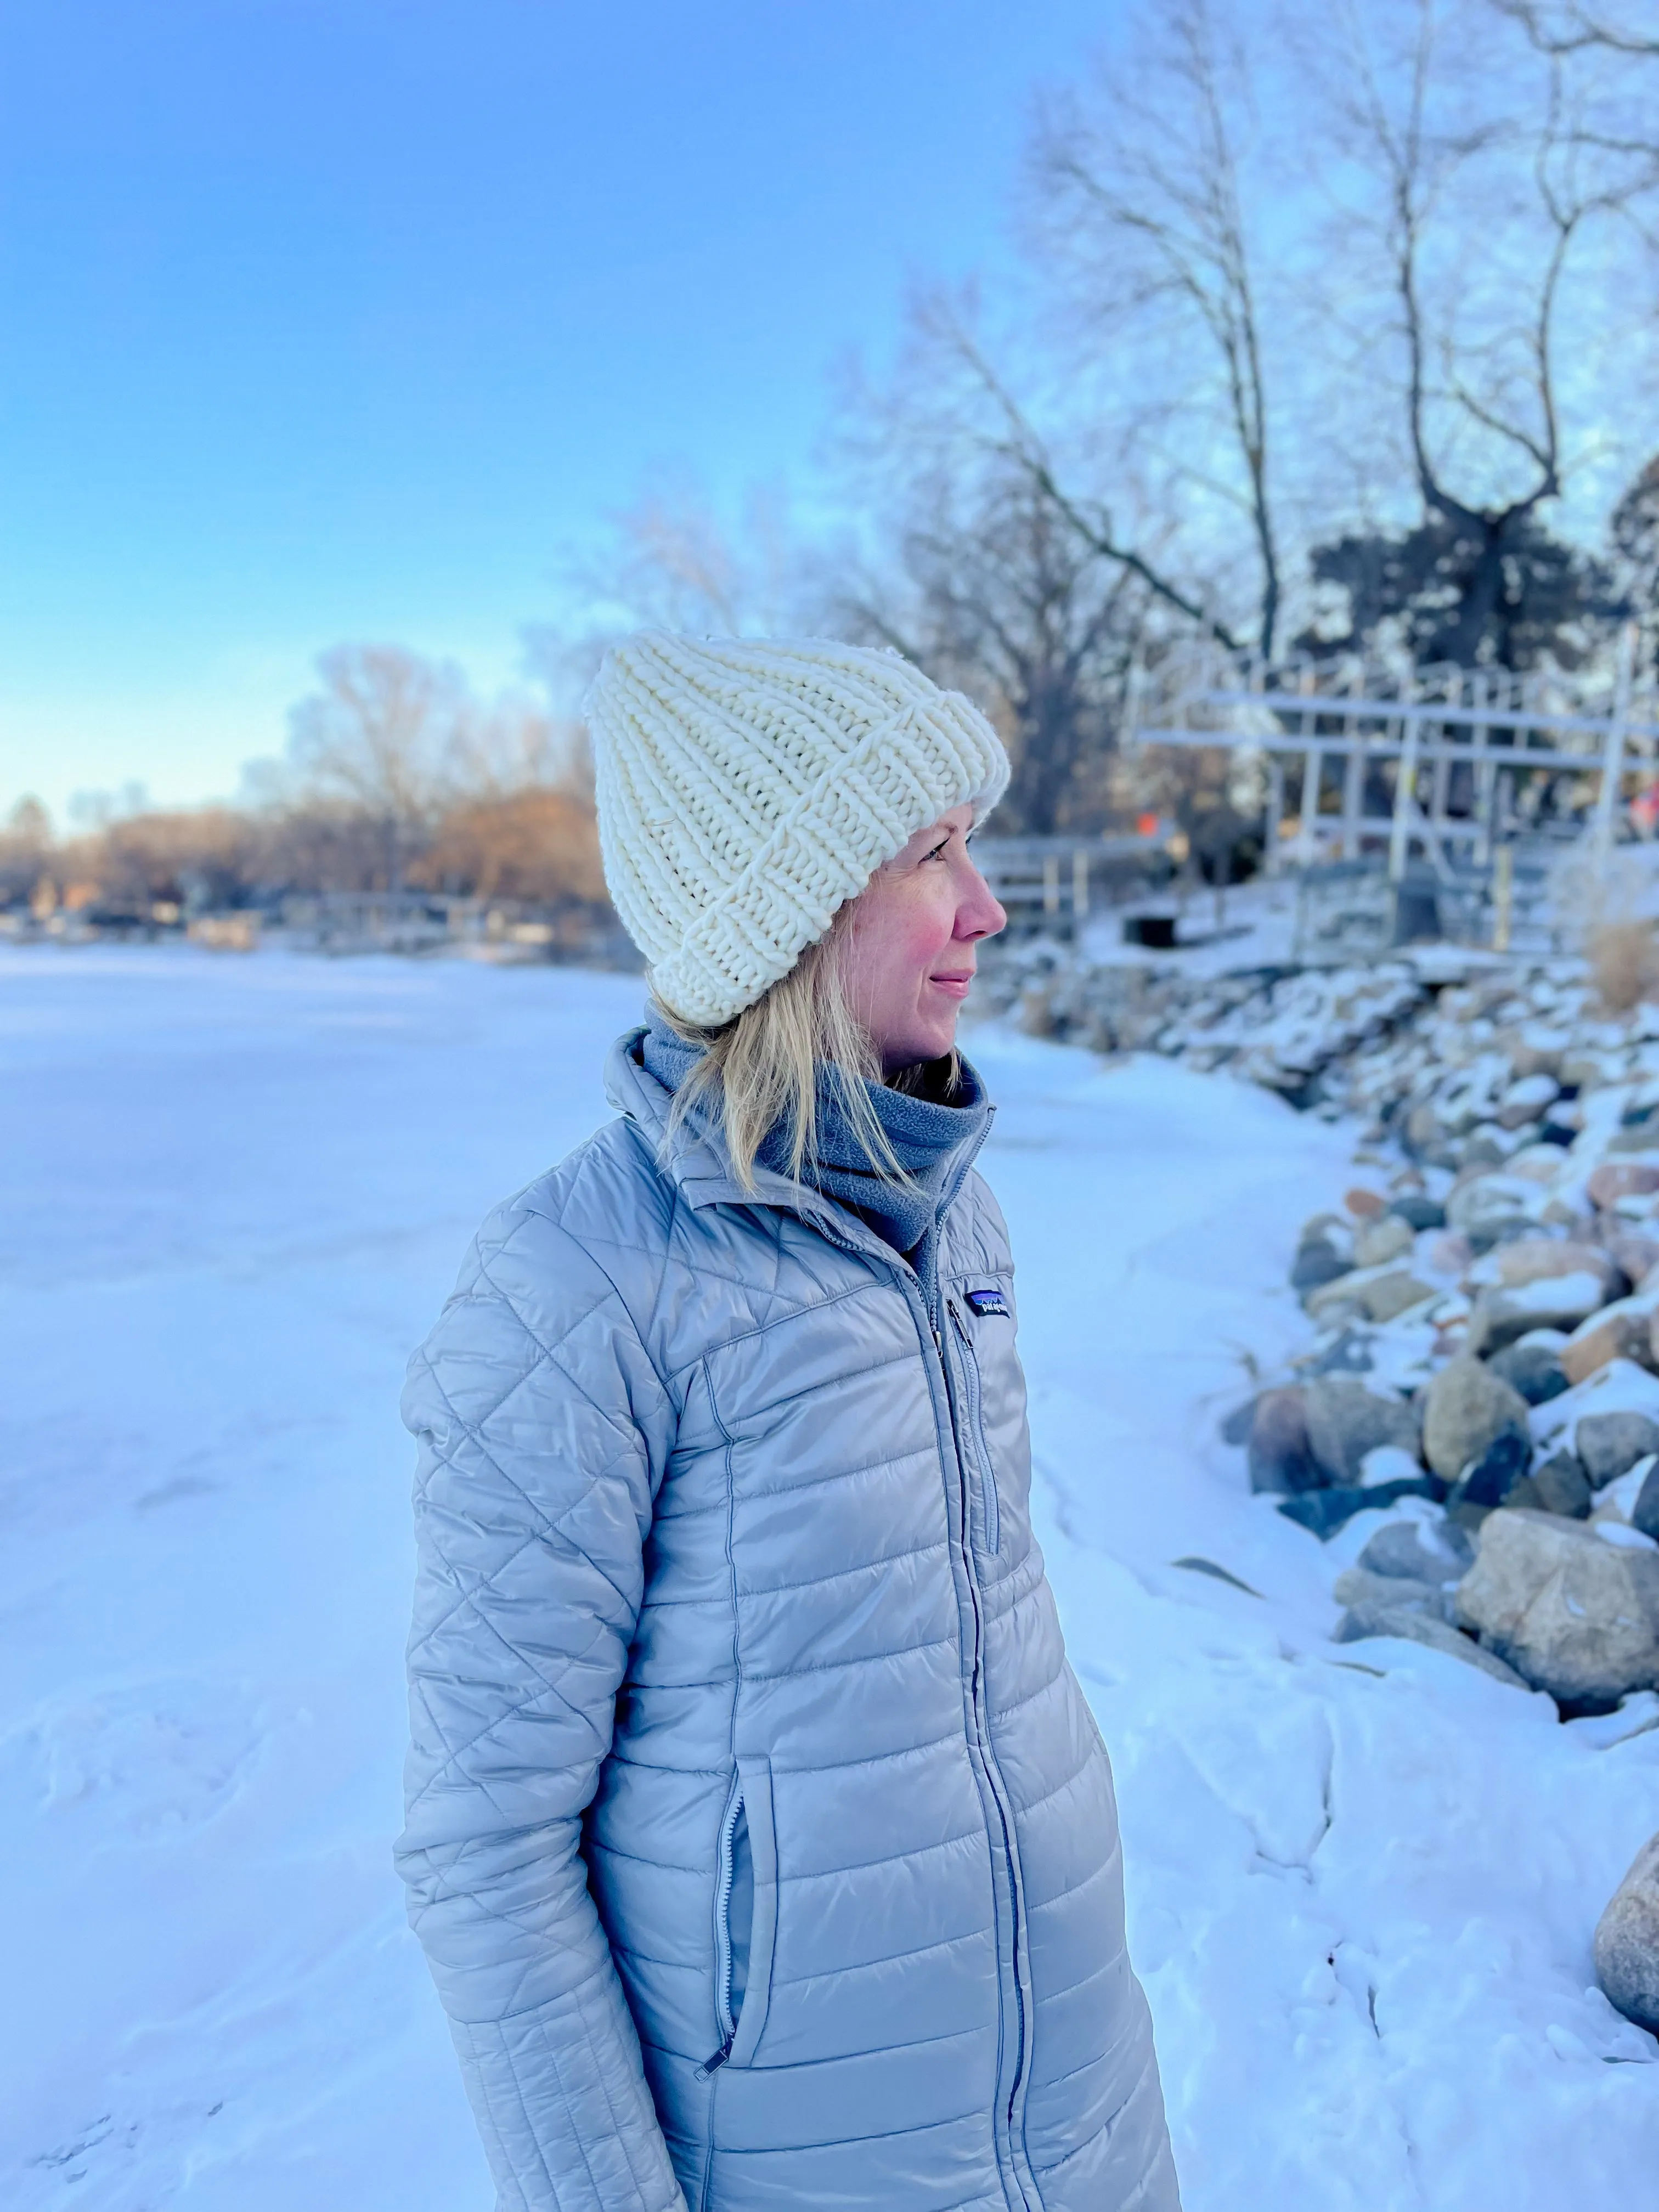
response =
{"points": [[1363, 1878]]}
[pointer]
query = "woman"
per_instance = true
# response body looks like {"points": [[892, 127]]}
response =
{"points": [[759, 1837]]}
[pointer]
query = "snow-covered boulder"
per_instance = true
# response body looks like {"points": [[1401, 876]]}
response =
{"points": [[1346, 1421], [1557, 1302], [1576, 1615], [1435, 1552], [1359, 1624], [1365, 1593]]}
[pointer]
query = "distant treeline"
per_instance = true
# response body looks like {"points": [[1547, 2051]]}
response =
{"points": [[395, 779]]}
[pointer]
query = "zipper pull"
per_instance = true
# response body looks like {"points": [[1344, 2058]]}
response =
{"points": [[710, 2065]]}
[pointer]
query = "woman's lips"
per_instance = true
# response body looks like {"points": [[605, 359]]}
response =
{"points": [[955, 986]]}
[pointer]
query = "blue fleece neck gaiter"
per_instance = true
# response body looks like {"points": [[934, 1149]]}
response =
{"points": [[927, 1137]]}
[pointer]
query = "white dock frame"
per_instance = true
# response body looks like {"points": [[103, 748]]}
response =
{"points": [[1429, 722]]}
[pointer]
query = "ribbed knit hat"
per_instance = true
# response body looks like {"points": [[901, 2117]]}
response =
{"points": [[747, 790]]}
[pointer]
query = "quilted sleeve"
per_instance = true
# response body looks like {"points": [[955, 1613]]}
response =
{"points": [[544, 1430]]}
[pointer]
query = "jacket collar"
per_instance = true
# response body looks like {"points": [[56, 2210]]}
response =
{"points": [[696, 1161]]}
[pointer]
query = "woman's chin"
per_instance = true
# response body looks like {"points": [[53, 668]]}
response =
{"points": [[927, 1040]]}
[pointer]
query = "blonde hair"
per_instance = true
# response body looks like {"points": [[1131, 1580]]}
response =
{"points": [[762, 1067]]}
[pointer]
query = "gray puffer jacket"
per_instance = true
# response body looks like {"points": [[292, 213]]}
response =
{"points": [[759, 1837]]}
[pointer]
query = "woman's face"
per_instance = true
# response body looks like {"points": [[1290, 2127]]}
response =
{"points": [[909, 951]]}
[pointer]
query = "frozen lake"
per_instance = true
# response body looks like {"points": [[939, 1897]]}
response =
{"points": [[233, 1193]]}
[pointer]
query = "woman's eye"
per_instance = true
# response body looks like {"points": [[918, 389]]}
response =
{"points": [[938, 852]]}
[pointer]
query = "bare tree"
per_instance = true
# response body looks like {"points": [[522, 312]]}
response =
{"points": [[1487, 191], [1566, 27], [672, 562], [991, 589], [1138, 204], [513, 744], [378, 738], [25, 845], [949, 426]]}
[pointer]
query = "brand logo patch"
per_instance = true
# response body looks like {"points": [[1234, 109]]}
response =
{"points": [[987, 1301]]}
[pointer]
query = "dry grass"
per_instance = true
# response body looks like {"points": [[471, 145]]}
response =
{"points": [[1623, 958]]}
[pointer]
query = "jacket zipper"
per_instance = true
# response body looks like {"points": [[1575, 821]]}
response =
{"points": [[724, 1866], [982, 1728], [988, 1481]]}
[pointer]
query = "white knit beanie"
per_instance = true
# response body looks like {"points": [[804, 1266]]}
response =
{"points": [[747, 790]]}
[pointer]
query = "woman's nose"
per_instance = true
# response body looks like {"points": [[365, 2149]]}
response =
{"points": [[981, 914]]}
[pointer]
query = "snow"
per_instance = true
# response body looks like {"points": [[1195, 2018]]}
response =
{"points": [[1363, 1879], [1619, 1387]]}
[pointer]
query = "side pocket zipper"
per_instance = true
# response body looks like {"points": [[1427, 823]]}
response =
{"points": [[723, 1868], [977, 1426]]}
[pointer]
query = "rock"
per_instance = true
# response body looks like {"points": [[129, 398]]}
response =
{"points": [[1627, 1942], [1535, 1258], [1645, 1514], [1574, 1615], [1525, 1101], [1617, 1179], [1324, 1512], [1347, 1353], [1537, 1054], [1620, 1331], [1407, 1549], [1490, 1207], [1361, 1623], [1523, 1491], [1279, 1457], [1418, 1210], [1634, 1256], [1379, 1294], [1335, 1299], [1451, 1254], [1488, 1481], [1316, 1262], [1424, 1133], [1377, 1242], [1388, 1296], [1617, 1503], [1562, 1486], [1532, 1369], [1484, 1147], [1357, 1588], [1561, 1302], [1468, 1409], [1323, 1252], [1389, 1463], [1365, 1204], [1587, 1070], [1609, 1444], [1344, 1420], [1237, 1425]]}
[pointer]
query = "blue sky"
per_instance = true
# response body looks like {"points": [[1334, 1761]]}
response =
{"points": [[333, 318]]}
